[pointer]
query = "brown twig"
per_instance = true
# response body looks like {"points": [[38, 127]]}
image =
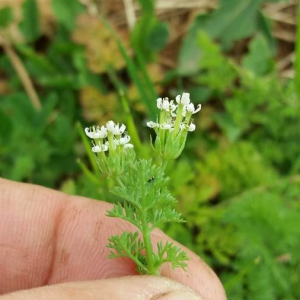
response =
{"points": [[130, 14], [22, 73]]}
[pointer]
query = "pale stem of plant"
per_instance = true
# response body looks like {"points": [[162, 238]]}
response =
{"points": [[90, 154], [111, 142], [130, 14], [164, 163], [188, 118], [23, 75], [161, 121], [297, 60], [178, 119], [146, 232]]}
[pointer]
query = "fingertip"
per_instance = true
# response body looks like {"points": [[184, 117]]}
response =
{"points": [[125, 288]]}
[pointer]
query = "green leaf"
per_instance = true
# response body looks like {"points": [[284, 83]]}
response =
{"points": [[259, 59], [66, 11], [158, 36], [6, 16], [190, 54], [128, 245], [234, 20], [265, 27], [170, 253], [218, 72], [30, 25]]}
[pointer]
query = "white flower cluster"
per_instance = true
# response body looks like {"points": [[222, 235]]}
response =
{"points": [[115, 134], [169, 111]]}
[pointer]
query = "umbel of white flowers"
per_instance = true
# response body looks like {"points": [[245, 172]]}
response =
{"points": [[113, 140], [175, 121], [111, 137]]}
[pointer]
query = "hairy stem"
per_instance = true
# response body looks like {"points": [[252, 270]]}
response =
{"points": [[146, 232]]}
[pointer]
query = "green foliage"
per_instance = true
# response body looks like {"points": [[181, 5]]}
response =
{"points": [[66, 12], [30, 25], [38, 142], [259, 60], [238, 182], [190, 55], [145, 201], [241, 161], [6, 16], [265, 261], [128, 245], [235, 19], [218, 72]]}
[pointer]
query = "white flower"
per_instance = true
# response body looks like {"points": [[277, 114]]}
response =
{"points": [[119, 130], [123, 140], [152, 124], [166, 104], [183, 99], [166, 126], [128, 146], [99, 148], [173, 108], [184, 111], [122, 128], [192, 127], [96, 133], [159, 103], [110, 125], [115, 128], [191, 108]]}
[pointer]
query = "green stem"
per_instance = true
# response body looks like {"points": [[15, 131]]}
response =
{"points": [[164, 163], [87, 146], [146, 233], [87, 172], [178, 120], [111, 142], [297, 63]]}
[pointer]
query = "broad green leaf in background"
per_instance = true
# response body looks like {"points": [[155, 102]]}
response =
{"points": [[265, 28], [6, 16], [259, 59], [158, 36], [30, 25], [66, 11], [189, 56], [235, 19]]}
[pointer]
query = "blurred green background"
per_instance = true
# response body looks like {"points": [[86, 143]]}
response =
{"points": [[67, 64]]}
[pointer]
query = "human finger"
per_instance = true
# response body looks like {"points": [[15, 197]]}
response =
{"points": [[47, 237]]}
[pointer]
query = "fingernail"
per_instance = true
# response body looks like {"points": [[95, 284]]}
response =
{"points": [[180, 295]]}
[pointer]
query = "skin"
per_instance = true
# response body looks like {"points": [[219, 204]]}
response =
{"points": [[52, 246]]}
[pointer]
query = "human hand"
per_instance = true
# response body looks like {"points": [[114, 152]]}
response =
{"points": [[52, 246]]}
